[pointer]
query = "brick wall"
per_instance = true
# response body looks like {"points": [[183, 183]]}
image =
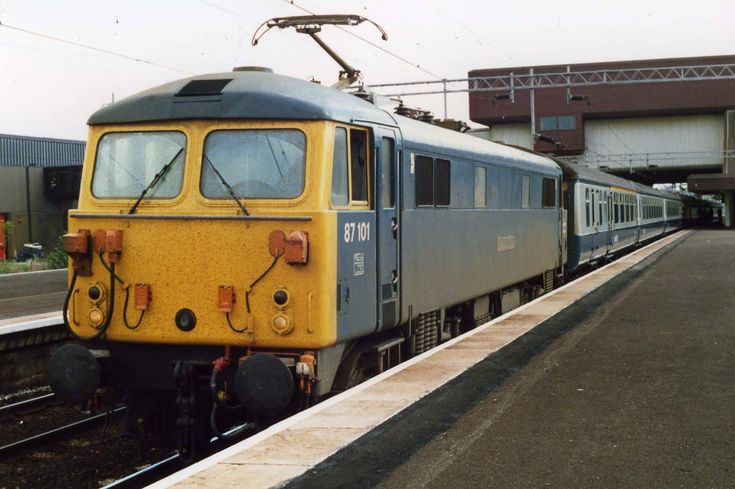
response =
{"points": [[604, 101]]}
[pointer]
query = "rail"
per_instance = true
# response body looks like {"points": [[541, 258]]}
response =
{"points": [[8, 408], [48, 436]]}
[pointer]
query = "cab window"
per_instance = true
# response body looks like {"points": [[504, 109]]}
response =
{"points": [[266, 164], [127, 162], [340, 175], [358, 166], [349, 167]]}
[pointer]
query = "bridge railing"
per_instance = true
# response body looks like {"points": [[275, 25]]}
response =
{"points": [[635, 161]]}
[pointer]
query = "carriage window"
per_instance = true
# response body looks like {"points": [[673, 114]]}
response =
{"points": [[388, 173], [617, 209], [358, 167], [480, 187], [127, 162], [592, 206], [424, 181], [433, 179], [587, 204], [340, 190], [526, 192], [442, 179], [548, 192], [266, 164]]}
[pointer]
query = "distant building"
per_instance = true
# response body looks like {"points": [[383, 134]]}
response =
{"points": [[39, 183], [678, 130]]}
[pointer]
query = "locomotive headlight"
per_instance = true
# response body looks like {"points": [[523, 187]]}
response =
{"points": [[281, 324], [95, 316]]}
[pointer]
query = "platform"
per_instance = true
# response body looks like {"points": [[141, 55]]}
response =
{"points": [[621, 379], [31, 293]]}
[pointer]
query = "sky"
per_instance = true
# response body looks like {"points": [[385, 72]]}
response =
{"points": [[49, 88]]}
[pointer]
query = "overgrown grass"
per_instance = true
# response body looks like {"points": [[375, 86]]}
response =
{"points": [[12, 266], [53, 260], [57, 258]]}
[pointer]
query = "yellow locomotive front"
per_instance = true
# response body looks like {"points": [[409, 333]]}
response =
{"points": [[204, 280], [229, 246]]}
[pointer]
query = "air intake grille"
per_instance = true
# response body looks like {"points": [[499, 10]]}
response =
{"points": [[199, 88]]}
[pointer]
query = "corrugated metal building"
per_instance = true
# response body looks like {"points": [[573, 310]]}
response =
{"points": [[39, 182]]}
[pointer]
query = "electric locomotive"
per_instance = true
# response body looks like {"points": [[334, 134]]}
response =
{"points": [[251, 239], [247, 243]]}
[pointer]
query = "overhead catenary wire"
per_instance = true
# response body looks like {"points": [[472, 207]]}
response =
{"points": [[224, 9], [93, 48]]}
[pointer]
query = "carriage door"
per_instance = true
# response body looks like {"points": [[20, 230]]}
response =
{"points": [[610, 221], [387, 148]]}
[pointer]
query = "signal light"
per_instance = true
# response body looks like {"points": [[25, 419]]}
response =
{"points": [[95, 316], [281, 325]]}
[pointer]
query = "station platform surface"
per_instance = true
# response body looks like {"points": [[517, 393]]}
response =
{"points": [[30, 293], [625, 378]]}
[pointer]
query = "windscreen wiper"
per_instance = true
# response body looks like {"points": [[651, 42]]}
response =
{"points": [[226, 185], [155, 180]]}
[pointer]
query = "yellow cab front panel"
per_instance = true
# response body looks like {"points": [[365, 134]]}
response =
{"points": [[187, 251]]}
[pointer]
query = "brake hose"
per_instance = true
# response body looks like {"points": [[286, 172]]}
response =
{"points": [[247, 297], [127, 297]]}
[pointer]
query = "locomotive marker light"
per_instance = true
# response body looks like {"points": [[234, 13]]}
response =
{"points": [[281, 324], [95, 316]]}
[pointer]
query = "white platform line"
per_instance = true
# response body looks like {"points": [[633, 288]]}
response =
{"points": [[25, 323]]}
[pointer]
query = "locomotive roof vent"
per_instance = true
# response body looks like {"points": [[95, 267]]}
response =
{"points": [[262, 69], [201, 88]]}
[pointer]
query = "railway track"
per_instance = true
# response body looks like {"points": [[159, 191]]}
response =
{"points": [[44, 438], [26, 403], [176, 462]]}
